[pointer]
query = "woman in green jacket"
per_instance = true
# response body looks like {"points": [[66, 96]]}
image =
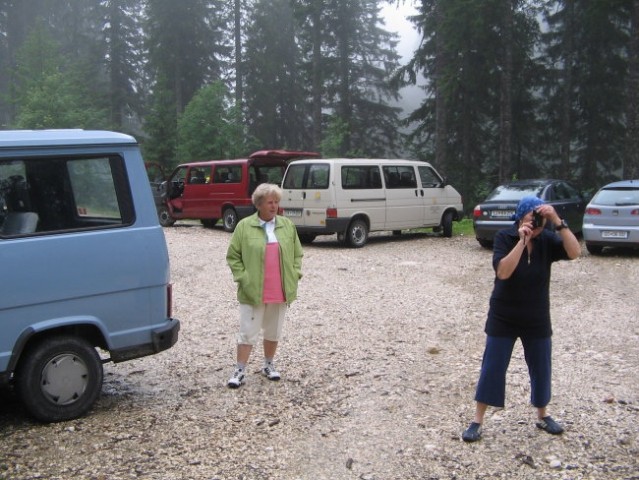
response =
{"points": [[265, 257]]}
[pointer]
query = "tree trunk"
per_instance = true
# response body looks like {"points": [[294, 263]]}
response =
{"points": [[631, 160], [566, 96], [440, 101], [505, 95], [317, 73], [239, 90]]}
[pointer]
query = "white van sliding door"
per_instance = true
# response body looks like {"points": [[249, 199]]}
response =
{"points": [[404, 205]]}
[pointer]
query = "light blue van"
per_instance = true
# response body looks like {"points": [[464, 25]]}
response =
{"points": [[85, 267]]}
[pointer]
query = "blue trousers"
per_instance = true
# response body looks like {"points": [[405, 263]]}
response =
{"points": [[491, 388]]}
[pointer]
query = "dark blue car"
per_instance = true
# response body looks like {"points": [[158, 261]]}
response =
{"points": [[496, 211]]}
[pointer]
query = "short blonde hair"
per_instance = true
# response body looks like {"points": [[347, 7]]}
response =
{"points": [[265, 190]]}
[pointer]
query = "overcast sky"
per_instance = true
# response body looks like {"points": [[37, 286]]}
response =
{"points": [[395, 18]]}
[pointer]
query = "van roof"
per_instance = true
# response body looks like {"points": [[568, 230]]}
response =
{"points": [[370, 161], [65, 137], [262, 156]]}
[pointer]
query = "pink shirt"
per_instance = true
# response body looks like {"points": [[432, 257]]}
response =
{"points": [[273, 292]]}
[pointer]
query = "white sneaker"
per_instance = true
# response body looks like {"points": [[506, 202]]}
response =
{"points": [[237, 379], [269, 372]]}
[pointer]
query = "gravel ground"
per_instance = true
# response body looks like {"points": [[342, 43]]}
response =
{"points": [[379, 363]]}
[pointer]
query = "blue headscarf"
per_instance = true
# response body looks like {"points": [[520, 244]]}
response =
{"points": [[525, 205]]}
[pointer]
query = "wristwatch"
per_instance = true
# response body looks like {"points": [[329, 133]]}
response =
{"points": [[561, 226]]}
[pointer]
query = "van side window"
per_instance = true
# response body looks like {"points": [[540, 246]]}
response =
{"points": [[199, 175], [59, 194], [295, 177], [429, 177], [318, 176], [228, 174], [399, 176], [361, 177]]}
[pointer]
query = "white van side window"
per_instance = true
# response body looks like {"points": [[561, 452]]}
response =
{"points": [[63, 193], [314, 176], [318, 176], [400, 176], [429, 177], [361, 177]]}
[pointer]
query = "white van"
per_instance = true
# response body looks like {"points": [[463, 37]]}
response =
{"points": [[352, 197]]}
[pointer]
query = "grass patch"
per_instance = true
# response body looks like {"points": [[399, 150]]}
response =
{"points": [[464, 227]]}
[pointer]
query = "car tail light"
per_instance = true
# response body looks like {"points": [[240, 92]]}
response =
{"points": [[635, 211], [169, 301], [593, 211], [331, 213], [477, 212]]}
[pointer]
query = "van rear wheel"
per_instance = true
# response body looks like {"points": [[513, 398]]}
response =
{"points": [[357, 233], [229, 219], [59, 378]]}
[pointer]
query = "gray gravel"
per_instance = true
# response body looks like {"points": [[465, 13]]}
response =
{"points": [[379, 363]]}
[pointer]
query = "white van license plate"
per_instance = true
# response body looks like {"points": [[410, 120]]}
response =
{"points": [[613, 234], [293, 213]]}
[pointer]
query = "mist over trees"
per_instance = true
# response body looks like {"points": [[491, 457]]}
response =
{"points": [[511, 88]]}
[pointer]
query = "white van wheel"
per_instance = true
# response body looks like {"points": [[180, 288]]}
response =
{"points": [[229, 218], [60, 378], [447, 225], [357, 233]]}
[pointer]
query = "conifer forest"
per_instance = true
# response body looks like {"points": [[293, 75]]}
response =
{"points": [[510, 89]]}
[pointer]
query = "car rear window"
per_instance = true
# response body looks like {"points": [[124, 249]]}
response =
{"points": [[513, 192], [618, 197]]}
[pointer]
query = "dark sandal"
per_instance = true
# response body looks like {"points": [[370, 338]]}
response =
{"points": [[550, 426], [472, 433]]}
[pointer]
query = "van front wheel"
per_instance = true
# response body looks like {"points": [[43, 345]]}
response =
{"points": [[164, 216], [447, 225], [59, 378], [357, 233], [229, 218]]}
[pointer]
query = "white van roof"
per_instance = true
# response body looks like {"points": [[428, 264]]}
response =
{"points": [[369, 161]]}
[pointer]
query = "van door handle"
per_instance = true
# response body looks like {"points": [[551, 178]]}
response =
{"points": [[304, 195]]}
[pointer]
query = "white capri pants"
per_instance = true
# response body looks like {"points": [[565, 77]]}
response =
{"points": [[268, 317]]}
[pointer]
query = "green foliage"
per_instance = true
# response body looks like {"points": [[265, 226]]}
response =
{"points": [[331, 145], [209, 129], [50, 91]]}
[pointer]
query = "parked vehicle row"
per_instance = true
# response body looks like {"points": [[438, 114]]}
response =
{"points": [[610, 219], [350, 197]]}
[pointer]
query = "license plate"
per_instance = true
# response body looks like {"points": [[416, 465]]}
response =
{"points": [[292, 213], [502, 213], [614, 234]]}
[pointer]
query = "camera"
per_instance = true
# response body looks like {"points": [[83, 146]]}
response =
{"points": [[537, 220]]}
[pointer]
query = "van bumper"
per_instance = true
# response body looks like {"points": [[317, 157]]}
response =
{"points": [[333, 225], [162, 338]]}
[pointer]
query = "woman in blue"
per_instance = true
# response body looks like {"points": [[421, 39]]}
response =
{"points": [[520, 308]]}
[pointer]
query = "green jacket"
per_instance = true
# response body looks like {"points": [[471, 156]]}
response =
{"points": [[245, 256]]}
